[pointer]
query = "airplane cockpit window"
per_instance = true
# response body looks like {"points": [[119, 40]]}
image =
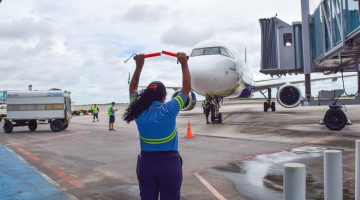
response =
{"points": [[197, 52], [225, 52], [212, 51]]}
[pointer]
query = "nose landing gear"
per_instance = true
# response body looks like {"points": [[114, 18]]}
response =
{"points": [[214, 106]]}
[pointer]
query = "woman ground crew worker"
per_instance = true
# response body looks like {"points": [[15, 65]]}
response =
{"points": [[159, 165]]}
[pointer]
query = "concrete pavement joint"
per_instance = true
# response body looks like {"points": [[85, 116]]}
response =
{"points": [[47, 138]]}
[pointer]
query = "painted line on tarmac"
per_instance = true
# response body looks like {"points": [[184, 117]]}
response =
{"points": [[210, 187], [227, 116], [47, 138], [53, 169], [28, 154]]}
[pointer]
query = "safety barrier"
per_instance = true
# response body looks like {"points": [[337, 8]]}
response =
{"points": [[294, 180]]}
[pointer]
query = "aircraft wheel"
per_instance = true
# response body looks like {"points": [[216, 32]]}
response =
{"points": [[335, 119], [32, 125], [273, 107], [8, 126], [57, 125], [266, 106]]}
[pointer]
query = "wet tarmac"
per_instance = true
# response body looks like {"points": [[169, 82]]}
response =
{"points": [[262, 176], [239, 159]]}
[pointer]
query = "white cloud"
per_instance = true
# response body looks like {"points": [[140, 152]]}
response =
{"points": [[81, 45]]}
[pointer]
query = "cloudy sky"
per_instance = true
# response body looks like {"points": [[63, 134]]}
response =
{"points": [[80, 46]]}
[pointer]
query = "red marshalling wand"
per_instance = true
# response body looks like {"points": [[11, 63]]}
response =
{"points": [[150, 55], [169, 53]]}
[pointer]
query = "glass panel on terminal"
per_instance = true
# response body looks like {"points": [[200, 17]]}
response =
{"points": [[3, 96]]}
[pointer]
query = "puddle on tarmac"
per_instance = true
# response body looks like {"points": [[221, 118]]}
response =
{"points": [[261, 178]]}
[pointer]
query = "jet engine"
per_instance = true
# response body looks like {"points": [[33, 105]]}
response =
{"points": [[289, 96], [190, 101]]}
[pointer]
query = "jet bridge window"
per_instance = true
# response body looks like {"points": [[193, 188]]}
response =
{"points": [[287, 37]]}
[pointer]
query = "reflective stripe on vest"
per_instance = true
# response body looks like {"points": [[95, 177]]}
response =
{"points": [[180, 101], [109, 112], [159, 140], [133, 99], [95, 110]]}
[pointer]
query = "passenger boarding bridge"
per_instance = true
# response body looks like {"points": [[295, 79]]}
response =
{"points": [[326, 41]]}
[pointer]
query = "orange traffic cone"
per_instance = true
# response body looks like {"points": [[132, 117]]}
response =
{"points": [[189, 132]]}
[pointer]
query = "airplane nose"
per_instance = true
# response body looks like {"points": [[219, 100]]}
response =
{"points": [[208, 74]]}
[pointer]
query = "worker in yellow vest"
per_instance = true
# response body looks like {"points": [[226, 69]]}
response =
{"points": [[111, 113], [95, 112]]}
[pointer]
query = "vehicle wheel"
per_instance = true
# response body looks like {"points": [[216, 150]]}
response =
{"points": [[66, 126], [8, 127], [335, 119], [266, 106], [32, 125], [57, 125], [273, 107]]}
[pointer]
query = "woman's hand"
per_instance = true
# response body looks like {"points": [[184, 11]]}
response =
{"points": [[182, 58], [139, 60]]}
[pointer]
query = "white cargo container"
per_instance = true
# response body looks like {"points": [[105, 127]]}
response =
{"points": [[2, 105], [25, 108]]}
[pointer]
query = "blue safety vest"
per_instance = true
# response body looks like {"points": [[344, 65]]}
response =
{"points": [[157, 125]]}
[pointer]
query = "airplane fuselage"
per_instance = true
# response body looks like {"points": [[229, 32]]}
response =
{"points": [[217, 72]]}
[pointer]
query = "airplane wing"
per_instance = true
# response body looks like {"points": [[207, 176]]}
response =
{"points": [[262, 85]]}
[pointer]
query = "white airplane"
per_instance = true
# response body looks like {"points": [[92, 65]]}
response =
{"points": [[217, 73]]}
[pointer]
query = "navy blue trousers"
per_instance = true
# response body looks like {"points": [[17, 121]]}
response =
{"points": [[159, 173]]}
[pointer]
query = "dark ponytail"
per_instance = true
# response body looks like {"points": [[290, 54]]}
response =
{"points": [[155, 91]]}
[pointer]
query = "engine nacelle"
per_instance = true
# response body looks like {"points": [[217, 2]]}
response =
{"points": [[190, 101], [289, 96]]}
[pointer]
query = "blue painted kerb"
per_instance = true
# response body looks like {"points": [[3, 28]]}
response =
{"points": [[18, 181]]}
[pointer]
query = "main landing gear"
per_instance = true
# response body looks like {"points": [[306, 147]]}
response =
{"points": [[335, 119], [268, 104], [214, 106]]}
